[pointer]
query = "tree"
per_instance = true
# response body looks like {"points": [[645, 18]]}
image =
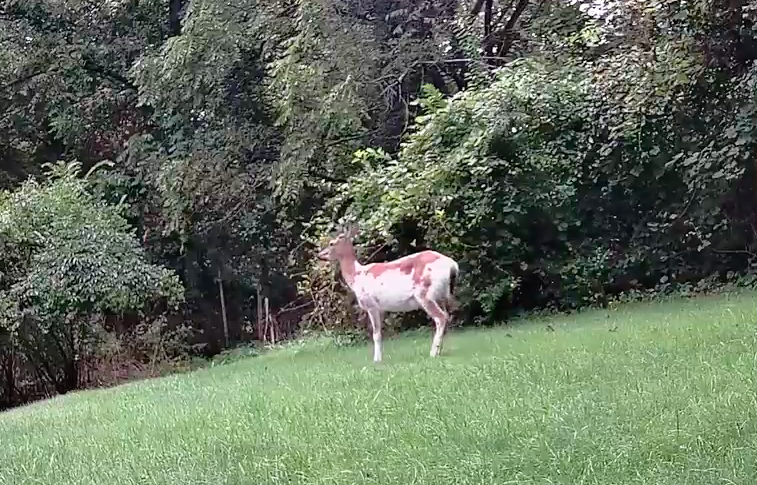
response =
{"points": [[564, 152], [68, 260]]}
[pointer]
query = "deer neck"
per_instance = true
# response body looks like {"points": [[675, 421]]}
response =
{"points": [[348, 265]]}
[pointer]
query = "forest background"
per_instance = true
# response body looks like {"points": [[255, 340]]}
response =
{"points": [[168, 168]]}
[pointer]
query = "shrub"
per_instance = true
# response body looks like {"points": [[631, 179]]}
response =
{"points": [[67, 261], [553, 187]]}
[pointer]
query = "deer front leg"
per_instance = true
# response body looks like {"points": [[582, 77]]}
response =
{"points": [[440, 318], [377, 319]]}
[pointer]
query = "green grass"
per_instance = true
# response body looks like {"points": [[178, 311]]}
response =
{"points": [[647, 394]]}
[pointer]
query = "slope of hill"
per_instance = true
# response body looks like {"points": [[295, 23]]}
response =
{"points": [[649, 393]]}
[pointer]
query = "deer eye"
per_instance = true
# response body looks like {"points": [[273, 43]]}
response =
{"points": [[331, 243]]}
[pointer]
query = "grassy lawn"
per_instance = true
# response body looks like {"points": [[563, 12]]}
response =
{"points": [[647, 394]]}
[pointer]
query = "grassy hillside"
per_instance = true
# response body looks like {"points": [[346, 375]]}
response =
{"points": [[647, 394]]}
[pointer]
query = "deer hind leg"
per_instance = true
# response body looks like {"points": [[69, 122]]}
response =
{"points": [[377, 320], [440, 317]]}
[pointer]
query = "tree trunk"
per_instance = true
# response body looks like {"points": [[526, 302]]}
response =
{"points": [[174, 17], [488, 41], [223, 309], [507, 32]]}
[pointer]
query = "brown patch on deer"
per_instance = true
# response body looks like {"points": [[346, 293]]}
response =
{"points": [[426, 284], [433, 308], [414, 264]]}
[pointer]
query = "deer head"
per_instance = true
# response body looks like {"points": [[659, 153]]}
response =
{"points": [[340, 246]]}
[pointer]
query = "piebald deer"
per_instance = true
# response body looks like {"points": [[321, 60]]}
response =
{"points": [[424, 280]]}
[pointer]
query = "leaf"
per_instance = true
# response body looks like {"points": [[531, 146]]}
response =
{"points": [[743, 139]]}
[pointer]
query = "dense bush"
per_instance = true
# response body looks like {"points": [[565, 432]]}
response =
{"points": [[562, 151], [564, 194], [68, 261]]}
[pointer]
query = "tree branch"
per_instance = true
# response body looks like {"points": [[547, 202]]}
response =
{"points": [[88, 66], [476, 9], [519, 9], [344, 140], [503, 12], [100, 71], [27, 78], [507, 40]]}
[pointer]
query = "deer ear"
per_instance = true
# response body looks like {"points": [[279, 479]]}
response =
{"points": [[352, 231], [337, 230]]}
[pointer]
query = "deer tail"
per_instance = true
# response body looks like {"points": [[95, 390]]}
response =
{"points": [[454, 271]]}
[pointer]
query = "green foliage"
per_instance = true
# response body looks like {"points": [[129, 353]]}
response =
{"points": [[563, 152], [479, 171], [64, 76], [76, 253], [600, 180], [67, 259]]}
